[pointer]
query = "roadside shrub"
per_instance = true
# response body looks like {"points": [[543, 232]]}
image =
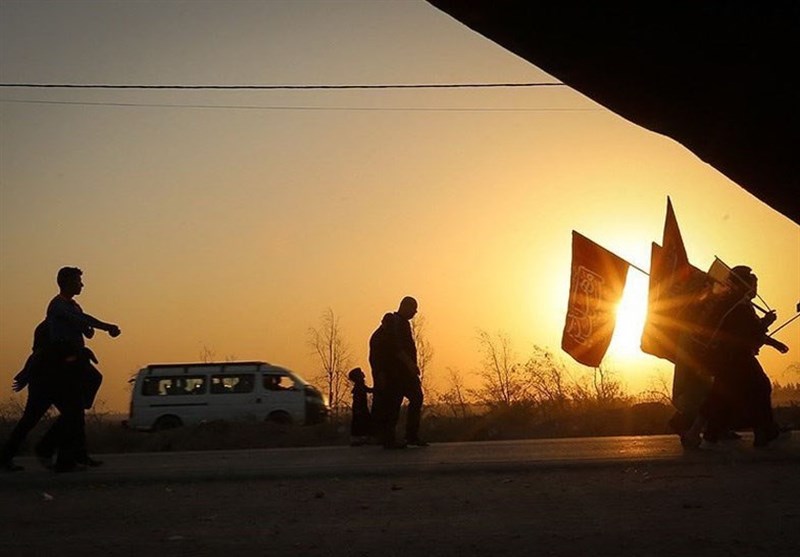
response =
{"points": [[106, 433]]}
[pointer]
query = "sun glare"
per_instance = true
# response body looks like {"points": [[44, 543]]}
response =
{"points": [[631, 313]]}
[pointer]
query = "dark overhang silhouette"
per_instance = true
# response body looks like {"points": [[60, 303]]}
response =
{"points": [[718, 77]]}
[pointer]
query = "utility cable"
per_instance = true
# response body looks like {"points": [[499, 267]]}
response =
{"points": [[300, 107], [282, 87]]}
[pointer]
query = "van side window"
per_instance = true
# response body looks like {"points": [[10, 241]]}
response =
{"points": [[278, 383], [195, 385], [240, 383], [173, 386]]}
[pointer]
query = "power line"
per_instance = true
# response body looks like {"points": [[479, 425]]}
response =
{"points": [[298, 107], [283, 87]]}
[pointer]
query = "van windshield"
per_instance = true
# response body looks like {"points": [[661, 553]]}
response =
{"points": [[298, 381], [279, 382]]}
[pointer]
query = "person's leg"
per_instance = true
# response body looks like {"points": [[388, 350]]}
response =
{"points": [[46, 448], [393, 401], [717, 409], [414, 413], [35, 407], [81, 450], [378, 411], [70, 432], [691, 421], [765, 428], [690, 439], [359, 427], [679, 422]]}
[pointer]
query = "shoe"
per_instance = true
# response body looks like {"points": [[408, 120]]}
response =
{"points": [[417, 443], [90, 462], [9, 466], [730, 435]]}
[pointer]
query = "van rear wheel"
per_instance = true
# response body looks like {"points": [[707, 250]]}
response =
{"points": [[167, 422], [280, 417]]}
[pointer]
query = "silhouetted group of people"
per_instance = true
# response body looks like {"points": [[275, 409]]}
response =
{"points": [[59, 373], [719, 386], [395, 378]]}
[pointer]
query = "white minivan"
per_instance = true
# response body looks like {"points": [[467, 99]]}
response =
{"points": [[166, 396]]}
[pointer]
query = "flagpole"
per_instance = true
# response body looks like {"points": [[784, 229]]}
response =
{"points": [[741, 280], [782, 326], [634, 266]]}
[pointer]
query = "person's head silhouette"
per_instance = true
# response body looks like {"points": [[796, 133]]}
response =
{"points": [[745, 281], [356, 375], [69, 281], [408, 307]]}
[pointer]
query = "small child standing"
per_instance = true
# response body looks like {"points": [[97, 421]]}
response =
{"points": [[361, 424]]}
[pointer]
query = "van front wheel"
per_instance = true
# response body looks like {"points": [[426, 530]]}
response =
{"points": [[167, 422], [282, 418]]}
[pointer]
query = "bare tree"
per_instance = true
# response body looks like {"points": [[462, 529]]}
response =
{"points": [[504, 380], [329, 346], [207, 355], [659, 389], [606, 387], [455, 398], [424, 352], [547, 377], [582, 391]]}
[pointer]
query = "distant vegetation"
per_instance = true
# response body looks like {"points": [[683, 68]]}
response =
{"points": [[517, 398], [442, 422]]}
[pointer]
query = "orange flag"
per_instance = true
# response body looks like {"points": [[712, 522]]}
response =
{"points": [[672, 295], [672, 239], [674, 292], [598, 278]]}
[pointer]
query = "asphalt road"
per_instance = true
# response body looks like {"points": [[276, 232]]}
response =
{"points": [[618, 496], [348, 461]]}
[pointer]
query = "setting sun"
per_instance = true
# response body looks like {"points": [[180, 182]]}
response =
{"points": [[631, 313]]}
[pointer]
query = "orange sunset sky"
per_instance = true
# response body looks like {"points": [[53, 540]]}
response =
{"points": [[228, 221]]}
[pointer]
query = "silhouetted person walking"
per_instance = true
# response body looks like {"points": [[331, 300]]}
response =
{"points": [[741, 393], [693, 375], [410, 380], [384, 380], [396, 375], [37, 403], [60, 373], [361, 422]]}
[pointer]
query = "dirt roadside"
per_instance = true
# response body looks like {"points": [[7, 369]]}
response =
{"points": [[664, 509]]}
